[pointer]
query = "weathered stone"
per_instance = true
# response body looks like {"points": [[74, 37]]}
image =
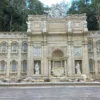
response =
{"points": [[56, 45]]}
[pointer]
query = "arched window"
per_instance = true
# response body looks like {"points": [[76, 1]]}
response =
{"points": [[24, 66], [91, 65], [90, 45], [24, 47], [4, 47], [14, 66], [98, 46], [14, 47], [3, 65], [99, 66]]}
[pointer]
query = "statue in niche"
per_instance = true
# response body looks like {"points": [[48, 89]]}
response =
{"points": [[37, 69], [78, 71]]}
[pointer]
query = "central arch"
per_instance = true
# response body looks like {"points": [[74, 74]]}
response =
{"points": [[57, 54], [57, 63]]}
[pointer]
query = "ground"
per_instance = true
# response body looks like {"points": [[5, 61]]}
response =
{"points": [[51, 93]]}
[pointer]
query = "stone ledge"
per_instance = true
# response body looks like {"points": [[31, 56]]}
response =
{"points": [[50, 84]]}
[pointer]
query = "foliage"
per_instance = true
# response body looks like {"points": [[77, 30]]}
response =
{"points": [[96, 8], [90, 8], [13, 13]]}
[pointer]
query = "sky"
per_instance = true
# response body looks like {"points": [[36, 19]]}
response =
{"points": [[50, 2]]}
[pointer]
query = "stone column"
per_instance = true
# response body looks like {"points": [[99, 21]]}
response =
{"points": [[19, 61], [42, 60], [8, 69], [86, 59], [85, 62], [65, 67], [49, 67], [61, 63], [83, 59], [72, 59], [69, 52], [45, 55], [30, 60], [95, 56]]}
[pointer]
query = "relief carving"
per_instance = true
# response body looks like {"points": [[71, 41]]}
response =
{"points": [[37, 51]]}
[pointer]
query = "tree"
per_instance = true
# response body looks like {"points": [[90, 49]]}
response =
{"points": [[96, 6], [35, 7], [13, 13], [85, 6]]}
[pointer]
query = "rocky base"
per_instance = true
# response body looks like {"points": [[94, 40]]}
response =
{"points": [[83, 78]]}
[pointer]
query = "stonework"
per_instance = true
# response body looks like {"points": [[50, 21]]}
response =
{"points": [[50, 48]]}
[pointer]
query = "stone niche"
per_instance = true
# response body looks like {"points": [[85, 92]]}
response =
{"points": [[79, 68]]}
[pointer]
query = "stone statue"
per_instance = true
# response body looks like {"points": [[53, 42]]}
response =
{"points": [[49, 12], [56, 11], [37, 69], [78, 71], [28, 26], [85, 25], [69, 26], [44, 26]]}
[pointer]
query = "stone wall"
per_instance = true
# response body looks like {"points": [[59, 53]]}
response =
{"points": [[94, 52], [13, 53]]}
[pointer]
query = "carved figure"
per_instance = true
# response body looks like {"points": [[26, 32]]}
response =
{"points": [[78, 71], [70, 26], [57, 11], [28, 26], [85, 25], [50, 14], [37, 69], [44, 26]]}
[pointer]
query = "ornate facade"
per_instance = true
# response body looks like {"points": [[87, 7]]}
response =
{"points": [[51, 47]]}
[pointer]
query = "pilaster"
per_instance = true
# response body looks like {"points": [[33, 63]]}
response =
{"points": [[95, 56], [65, 65], [19, 61], [30, 60], [8, 60], [45, 60], [85, 62], [70, 60]]}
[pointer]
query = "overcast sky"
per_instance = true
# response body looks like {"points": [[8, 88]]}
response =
{"points": [[50, 2]]}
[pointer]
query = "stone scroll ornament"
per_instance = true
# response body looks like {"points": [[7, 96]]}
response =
{"points": [[56, 11]]}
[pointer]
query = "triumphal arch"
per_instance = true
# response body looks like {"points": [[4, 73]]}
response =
{"points": [[58, 45], [54, 45]]}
